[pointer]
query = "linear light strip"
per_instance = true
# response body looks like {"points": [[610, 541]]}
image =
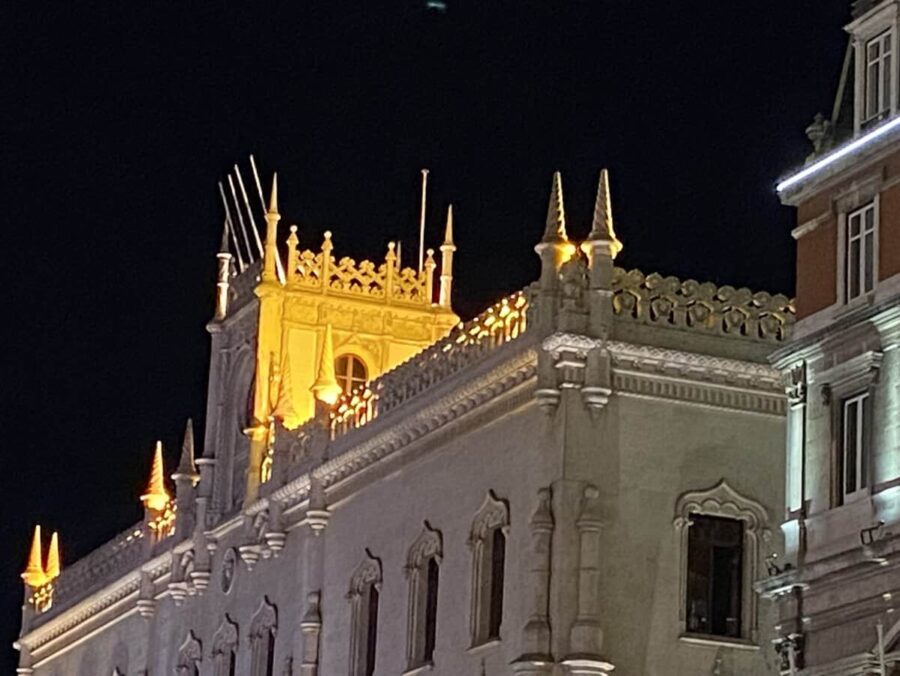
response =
{"points": [[838, 154]]}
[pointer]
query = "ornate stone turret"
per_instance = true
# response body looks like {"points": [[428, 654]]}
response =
{"points": [[448, 248], [554, 249], [270, 265]]}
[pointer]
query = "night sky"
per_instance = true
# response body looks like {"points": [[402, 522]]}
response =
{"points": [[118, 119]]}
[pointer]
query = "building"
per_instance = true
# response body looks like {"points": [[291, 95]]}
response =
{"points": [[837, 594], [586, 477]]}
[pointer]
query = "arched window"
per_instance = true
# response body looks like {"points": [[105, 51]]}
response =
{"points": [[350, 371], [423, 568], [365, 588], [263, 628], [189, 655], [488, 543], [721, 532], [224, 650]]}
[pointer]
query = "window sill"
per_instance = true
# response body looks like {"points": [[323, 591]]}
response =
{"points": [[718, 641], [484, 647], [420, 669]]}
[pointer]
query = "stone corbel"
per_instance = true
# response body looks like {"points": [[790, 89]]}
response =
{"points": [[795, 385], [790, 650], [275, 535], [565, 370], [317, 514]]}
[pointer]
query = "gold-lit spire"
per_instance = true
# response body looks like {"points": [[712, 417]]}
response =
{"points": [[602, 226], [53, 565], [157, 497], [448, 229], [34, 574], [187, 468], [271, 264], [555, 230], [326, 388]]}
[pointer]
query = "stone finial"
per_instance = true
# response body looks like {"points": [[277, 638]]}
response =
{"points": [[602, 227], [271, 264], [157, 497], [448, 229], [34, 575], [53, 561], [555, 230], [187, 469], [326, 388]]}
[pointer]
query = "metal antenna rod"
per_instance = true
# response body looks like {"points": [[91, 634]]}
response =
{"points": [[422, 222], [230, 226], [240, 180], [241, 220], [279, 268], [262, 200]]}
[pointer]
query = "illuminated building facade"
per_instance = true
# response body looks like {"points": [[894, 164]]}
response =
{"points": [[586, 477], [836, 593]]}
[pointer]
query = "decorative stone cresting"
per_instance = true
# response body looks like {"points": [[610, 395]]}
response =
{"points": [[719, 310]]}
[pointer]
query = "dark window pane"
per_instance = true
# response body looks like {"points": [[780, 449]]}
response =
{"points": [[853, 286], [372, 631], [498, 563], [270, 654], [431, 599], [232, 663], [715, 574], [850, 449], [869, 263]]}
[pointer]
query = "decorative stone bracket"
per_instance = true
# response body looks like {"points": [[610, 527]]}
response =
{"points": [[576, 362]]}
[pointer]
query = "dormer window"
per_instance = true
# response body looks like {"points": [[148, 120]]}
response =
{"points": [[878, 77]]}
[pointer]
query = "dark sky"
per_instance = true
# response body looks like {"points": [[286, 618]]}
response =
{"points": [[117, 119]]}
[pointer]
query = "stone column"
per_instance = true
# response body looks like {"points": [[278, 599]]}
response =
{"points": [[535, 658], [885, 441]]}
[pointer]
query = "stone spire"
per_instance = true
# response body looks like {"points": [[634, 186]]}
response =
{"points": [[270, 264], [326, 388], [187, 469], [157, 497], [602, 226], [447, 250], [53, 565], [555, 230], [34, 575]]}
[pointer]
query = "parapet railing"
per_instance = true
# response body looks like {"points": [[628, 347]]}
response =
{"points": [[465, 344], [113, 559], [388, 282], [720, 310]]}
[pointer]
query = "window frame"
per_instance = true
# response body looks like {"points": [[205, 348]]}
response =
{"points": [[493, 515], [846, 245], [723, 501], [262, 634], [225, 648], [190, 654], [862, 438], [345, 377], [427, 549], [366, 580], [885, 83]]}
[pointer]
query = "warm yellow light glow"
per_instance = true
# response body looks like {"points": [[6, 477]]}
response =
{"points": [[326, 388], [53, 564], [157, 498], [34, 574]]}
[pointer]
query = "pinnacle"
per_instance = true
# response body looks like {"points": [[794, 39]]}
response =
{"points": [[186, 467], [326, 388], [53, 565], [448, 230], [34, 575], [273, 199], [555, 230], [157, 497], [602, 226]]}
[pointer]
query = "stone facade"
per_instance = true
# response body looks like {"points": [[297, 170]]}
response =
{"points": [[835, 594], [518, 497]]}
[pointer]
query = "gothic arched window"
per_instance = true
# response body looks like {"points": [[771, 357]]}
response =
{"points": [[721, 533], [365, 588], [263, 628], [350, 371], [224, 650], [423, 569], [189, 655], [488, 542]]}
